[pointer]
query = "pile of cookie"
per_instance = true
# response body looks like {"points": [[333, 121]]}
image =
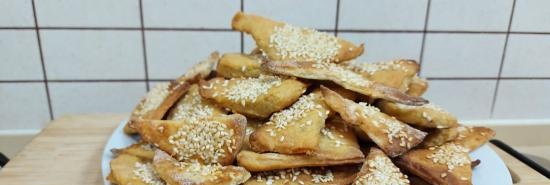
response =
{"points": [[298, 109]]}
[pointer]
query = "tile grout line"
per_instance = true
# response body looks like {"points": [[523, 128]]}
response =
{"points": [[144, 47], [337, 21], [424, 34], [166, 79], [74, 80], [231, 30], [43, 64], [499, 77], [242, 34]]}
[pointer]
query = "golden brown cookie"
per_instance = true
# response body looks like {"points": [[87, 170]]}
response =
{"points": [[337, 146], [254, 97], [390, 134], [281, 41]]}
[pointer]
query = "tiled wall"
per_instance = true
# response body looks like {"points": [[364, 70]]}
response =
{"points": [[485, 59]]}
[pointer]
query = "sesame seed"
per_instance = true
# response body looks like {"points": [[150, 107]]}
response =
{"points": [[305, 44], [429, 106], [193, 110], [153, 99], [210, 86], [160, 129], [207, 140], [463, 130], [394, 128], [344, 74], [327, 177], [249, 89], [146, 173], [198, 169], [368, 109], [326, 132], [382, 171], [372, 68], [451, 155], [426, 116], [296, 111]]}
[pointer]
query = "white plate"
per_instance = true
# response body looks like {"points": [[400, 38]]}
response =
{"points": [[491, 170]]}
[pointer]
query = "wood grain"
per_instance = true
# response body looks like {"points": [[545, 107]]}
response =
{"points": [[69, 151]]}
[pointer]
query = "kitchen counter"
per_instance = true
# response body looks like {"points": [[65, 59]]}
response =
{"points": [[69, 151]]}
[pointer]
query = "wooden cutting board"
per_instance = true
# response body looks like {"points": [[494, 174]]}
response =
{"points": [[69, 151]]}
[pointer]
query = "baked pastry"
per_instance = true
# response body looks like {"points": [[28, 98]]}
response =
{"points": [[306, 176], [342, 76], [281, 41], [254, 97], [397, 73], [472, 138], [379, 169], [438, 137], [213, 140], [194, 107], [337, 146], [304, 102], [144, 151], [156, 103], [446, 164], [348, 94], [251, 126], [417, 86], [235, 65], [175, 172], [131, 170], [415, 180], [426, 116], [390, 134], [295, 130]]}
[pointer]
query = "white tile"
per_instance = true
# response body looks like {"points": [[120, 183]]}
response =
{"points": [[249, 43], [527, 56], [171, 53], [24, 106], [306, 13], [16, 13], [470, 15], [93, 54], [523, 99], [387, 46], [95, 97], [88, 13], [153, 84], [462, 55], [531, 15], [382, 14], [189, 13], [19, 55], [466, 99]]}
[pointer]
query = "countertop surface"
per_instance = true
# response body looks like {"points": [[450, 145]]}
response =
{"points": [[69, 151]]}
